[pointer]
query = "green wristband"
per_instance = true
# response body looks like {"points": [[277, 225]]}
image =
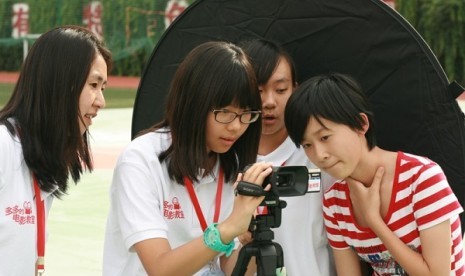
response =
{"points": [[212, 239]]}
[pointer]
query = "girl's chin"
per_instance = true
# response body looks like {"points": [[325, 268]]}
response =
{"points": [[83, 129]]}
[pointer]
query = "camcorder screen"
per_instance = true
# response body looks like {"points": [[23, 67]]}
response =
{"points": [[288, 180]]}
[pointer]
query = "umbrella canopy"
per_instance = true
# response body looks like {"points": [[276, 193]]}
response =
{"points": [[415, 105]]}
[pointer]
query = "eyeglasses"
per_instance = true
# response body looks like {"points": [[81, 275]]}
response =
{"points": [[225, 116]]}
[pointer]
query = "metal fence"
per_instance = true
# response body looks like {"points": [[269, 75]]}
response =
{"points": [[130, 28]]}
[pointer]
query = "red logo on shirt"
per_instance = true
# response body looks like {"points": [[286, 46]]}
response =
{"points": [[172, 210], [21, 215]]}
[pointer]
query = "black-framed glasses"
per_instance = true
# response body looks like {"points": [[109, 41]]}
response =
{"points": [[225, 116]]}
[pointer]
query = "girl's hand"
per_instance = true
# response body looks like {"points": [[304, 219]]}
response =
{"points": [[256, 174], [367, 199], [244, 206], [245, 238]]}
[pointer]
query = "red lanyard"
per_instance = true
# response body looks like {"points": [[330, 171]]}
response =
{"points": [[195, 201], [40, 212]]}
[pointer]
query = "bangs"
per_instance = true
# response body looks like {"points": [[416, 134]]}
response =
{"points": [[333, 102], [265, 63], [238, 87]]}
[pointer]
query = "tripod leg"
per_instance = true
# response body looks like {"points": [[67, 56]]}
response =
{"points": [[269, 257], [279, 255], [243, 259], [267, 260]]}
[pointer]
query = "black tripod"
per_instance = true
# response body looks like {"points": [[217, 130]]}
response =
{"points": [[269, 255]]}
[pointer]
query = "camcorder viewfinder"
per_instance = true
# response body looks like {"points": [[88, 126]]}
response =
{"points": [[288, 181]]}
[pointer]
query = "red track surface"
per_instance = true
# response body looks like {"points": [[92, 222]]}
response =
{"points": [[104, 158], [113, 81]]}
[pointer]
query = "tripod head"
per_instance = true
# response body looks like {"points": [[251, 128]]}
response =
{"points": [[269, 254], [285, 181], [270, 217]]}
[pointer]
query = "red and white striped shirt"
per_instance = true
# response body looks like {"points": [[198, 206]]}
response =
{"points": [[421, 198]]}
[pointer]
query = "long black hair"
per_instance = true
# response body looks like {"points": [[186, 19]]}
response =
{"points": [[213, 75], [44, 105]]}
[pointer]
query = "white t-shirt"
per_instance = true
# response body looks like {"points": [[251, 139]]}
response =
{"points": [[302, 234], [18, 229], [146, 203]]}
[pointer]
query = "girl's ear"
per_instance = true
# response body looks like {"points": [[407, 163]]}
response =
{"points": [[366, 123]]}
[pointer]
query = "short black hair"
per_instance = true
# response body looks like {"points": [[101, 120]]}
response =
{"points": [[335, 97], [265, 56]]}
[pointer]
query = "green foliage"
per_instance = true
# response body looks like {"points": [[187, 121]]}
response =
{"points": [[133, 27], [442, 25], [10, 50], [129, 29]]}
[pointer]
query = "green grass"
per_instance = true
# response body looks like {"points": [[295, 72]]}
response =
{"points": [[5, 92], [114, 97]]}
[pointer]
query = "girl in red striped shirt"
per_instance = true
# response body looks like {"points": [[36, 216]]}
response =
{"points": [[393, 210]]}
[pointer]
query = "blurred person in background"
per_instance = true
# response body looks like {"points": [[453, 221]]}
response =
{"points": [[301, 234]]}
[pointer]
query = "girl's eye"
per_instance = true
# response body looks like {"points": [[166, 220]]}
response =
{"points": [[281, 91], [306, 146], [94, 85], [324, 138]]}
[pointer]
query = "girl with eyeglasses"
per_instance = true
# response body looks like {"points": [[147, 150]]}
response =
{"points": [[173, 209]]}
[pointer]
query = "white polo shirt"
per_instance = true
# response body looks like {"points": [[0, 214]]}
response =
{"points": [[302, 234], [18, 229], [146, 203]]}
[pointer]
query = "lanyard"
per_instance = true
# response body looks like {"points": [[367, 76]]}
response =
{"points": [[40, 214], [195, 201]]}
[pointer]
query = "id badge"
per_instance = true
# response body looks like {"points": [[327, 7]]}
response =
{"points": [[314, 181]]}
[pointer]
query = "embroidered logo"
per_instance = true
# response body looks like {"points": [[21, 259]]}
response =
{"points": [[172, 210], [21, 215]]}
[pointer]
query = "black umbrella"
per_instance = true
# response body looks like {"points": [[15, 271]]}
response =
{"points": [[415, 105]]}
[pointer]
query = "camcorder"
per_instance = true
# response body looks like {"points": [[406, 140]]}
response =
{"points": [[286, 181]]}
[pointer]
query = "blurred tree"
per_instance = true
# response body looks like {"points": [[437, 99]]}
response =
{"points": [[442, 25], [132, 28]]}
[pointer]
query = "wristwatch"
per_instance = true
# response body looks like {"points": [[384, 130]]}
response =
{"points": [[212, 239]]}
